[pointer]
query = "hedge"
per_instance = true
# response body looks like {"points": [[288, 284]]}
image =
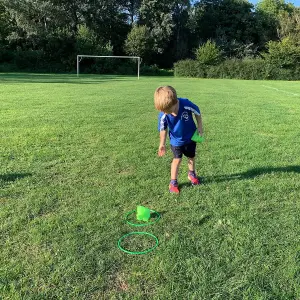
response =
{"points": [[254, 69]]}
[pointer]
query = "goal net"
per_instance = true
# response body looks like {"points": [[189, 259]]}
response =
{"points": [[80, 57]]}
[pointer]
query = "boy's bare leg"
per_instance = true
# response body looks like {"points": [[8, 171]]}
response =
{"points": [[175, 167], [192, 174], [191, 164]]}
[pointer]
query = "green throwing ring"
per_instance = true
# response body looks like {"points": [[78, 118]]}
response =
{"points": [[142, 224], [137, 252]]}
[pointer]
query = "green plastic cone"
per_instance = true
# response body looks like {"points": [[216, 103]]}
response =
{"points": [[197, 137], [142, 213]]}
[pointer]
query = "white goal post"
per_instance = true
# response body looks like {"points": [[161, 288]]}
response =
{"points": [[79, 58]]}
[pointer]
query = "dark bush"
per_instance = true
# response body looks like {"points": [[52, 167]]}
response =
{"points": [[29, 59], [255, 69], [189, 68], [239, 69], [154, 71]]}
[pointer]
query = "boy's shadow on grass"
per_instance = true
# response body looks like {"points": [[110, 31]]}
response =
{"points": [[251, 173], [13, 177], [188, 184]]}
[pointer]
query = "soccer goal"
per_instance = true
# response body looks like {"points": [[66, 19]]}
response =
{"points": [[80, 57]]}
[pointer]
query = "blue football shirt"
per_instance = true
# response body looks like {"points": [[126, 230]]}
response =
{"points": [[181, 127]]}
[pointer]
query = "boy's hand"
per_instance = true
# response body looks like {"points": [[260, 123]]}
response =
{"points": [[162, 150], [200, 132]]}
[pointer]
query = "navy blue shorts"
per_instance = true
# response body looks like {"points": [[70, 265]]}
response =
{"points": [[188, 150]]}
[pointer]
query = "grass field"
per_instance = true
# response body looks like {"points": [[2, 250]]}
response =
{"points": [[78, 154]]}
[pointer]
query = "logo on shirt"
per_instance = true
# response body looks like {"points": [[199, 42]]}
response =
{"points": [[185, 116]]}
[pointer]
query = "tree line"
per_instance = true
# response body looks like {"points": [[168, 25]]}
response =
{"points": [[48, 34]]}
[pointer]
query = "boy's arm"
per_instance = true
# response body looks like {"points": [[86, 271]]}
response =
{"points": [[162, 127], [195, 109], [162, 143], [199, 124]]}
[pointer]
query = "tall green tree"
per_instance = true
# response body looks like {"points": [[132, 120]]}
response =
{"points": [[267, 15], [181, 31], [289, 25], [131, 9], [108, 19], [5, 23], [42, 18], [69, 13], [157, 16], [30, 16], [139, 43], [231, 23]]}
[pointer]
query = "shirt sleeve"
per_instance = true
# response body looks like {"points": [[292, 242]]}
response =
{"points": [[189, 105], [162, 122]]}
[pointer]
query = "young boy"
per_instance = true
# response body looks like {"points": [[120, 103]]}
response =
{"points": [[177, 115]]}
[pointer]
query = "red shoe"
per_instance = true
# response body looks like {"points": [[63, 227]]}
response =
{"points": [[173, 188], [193, 179]]}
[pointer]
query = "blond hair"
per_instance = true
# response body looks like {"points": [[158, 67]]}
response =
{"points": [[164, 98]]}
